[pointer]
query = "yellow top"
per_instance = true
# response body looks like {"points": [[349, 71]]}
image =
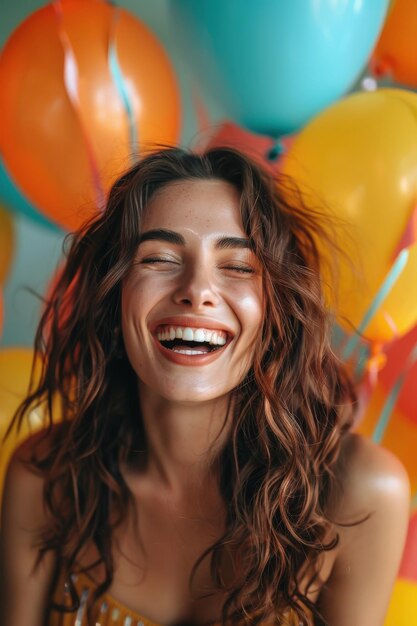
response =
{"points": [[108, 612]]}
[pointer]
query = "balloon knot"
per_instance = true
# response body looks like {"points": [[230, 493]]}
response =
{"points": [[277, 149]]}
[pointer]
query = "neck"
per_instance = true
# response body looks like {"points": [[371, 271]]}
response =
{"points": [[183, 439]]}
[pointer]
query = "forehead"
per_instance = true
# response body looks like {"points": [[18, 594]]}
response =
{"points": [[202, 205]]}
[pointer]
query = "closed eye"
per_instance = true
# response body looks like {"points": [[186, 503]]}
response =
{"points": [[235, 268], [156, 260]]}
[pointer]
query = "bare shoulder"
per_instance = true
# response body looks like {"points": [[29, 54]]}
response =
{"points": [[43, 440], [371, 478], [23, 485], [371, 515], [25, 581]]}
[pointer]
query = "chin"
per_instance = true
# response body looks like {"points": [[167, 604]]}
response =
{"points": [[187, 394]]}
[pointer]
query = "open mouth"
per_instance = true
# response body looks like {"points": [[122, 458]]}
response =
{"points": [[190, 347], [191, 341]]}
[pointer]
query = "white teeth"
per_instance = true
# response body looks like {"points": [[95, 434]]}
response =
{"points": [[216, 337], [189, 351], [199, 334], [188, 334]]}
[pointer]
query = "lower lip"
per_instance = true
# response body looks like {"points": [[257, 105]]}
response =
{"points": [[190, 359]]}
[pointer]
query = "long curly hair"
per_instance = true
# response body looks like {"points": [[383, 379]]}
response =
{"points": [[277, 469]]}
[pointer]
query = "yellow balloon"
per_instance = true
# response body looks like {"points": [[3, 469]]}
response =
{"points": [[6, 243], [15, 367], [358, 161], [402, 610]]}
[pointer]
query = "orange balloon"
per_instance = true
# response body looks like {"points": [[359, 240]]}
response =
{"points": [[73, 114], [396, 50]]}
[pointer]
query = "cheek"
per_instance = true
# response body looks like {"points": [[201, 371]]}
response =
{"points": [[132, 303], [136, 297], [250, 307], [250, 313]]}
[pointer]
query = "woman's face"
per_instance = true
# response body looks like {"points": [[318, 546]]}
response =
{"points": [[192, 304]]}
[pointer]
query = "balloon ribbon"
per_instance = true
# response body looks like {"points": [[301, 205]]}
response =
{"points": [[378, 358], [395, 271], [120, 84], [401, 254], [71, 80]]}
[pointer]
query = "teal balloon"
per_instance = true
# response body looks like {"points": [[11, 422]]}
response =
{"points": [[274, 64], [14, 200]]}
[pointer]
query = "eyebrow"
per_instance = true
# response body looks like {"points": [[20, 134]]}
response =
{"points": [[170, 236]]}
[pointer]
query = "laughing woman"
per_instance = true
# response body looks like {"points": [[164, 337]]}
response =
{"points": [[203, 470]]}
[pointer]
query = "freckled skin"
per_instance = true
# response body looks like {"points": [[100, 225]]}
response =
{"points": [[195, 281]]}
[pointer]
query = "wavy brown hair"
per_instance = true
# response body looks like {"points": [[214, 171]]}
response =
{"points": [[277, 469]]}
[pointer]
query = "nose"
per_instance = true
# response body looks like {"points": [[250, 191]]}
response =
{"points": [[196, 289]]}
